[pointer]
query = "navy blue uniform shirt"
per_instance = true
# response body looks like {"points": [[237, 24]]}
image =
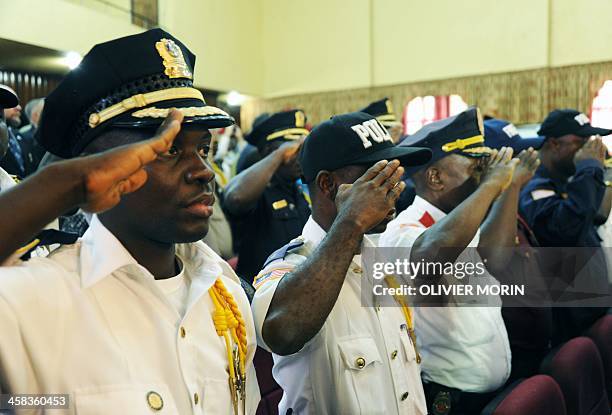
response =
{"points": [[563, 213]]}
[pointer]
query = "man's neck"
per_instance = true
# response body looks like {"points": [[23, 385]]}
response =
{"points": [[553, 173], [435, 201], [157, 257]]}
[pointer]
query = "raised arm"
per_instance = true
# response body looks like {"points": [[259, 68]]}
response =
{"points": [[94, 183], [454, 232], [304, 297], [565, 219], [244, 190], [498, 232]]}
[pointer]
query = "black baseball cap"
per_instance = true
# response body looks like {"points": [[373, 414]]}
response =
{"points": [[567, 121], [8, 98], [355, 138], [130, 82]]}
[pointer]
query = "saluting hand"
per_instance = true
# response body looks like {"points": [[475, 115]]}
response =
{"points": [[594, 148], [109, 175], [526, 167], [500, 169], [369, 200], [290, 150]]}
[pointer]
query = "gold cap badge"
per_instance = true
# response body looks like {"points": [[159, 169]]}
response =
{"points": [[389, 106], [300, 119], [174, 61]]}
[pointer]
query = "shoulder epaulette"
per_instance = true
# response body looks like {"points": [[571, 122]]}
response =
{"points": [[45, 238], [281, 253]]}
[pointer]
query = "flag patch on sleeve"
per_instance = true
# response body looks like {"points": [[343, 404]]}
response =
{"points": [[270, 276]]}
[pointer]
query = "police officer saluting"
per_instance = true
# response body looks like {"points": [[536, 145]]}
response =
{"points": [[465, 199], [562, 201], [265, 201], [332, 354], [138, 316]]}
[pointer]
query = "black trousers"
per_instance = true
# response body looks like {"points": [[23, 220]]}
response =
{"points": [[442, 400]]}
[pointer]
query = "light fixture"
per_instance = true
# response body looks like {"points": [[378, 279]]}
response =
{"points": [[72, 59], [234, 98]]}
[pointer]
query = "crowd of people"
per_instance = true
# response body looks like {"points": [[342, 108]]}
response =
{"points": [[149, 248]]}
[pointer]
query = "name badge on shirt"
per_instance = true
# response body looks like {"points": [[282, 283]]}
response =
{"points": [[279, 204]]}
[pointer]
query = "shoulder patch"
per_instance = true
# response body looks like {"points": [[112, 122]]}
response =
{"points": [[542, 194], [427, 220], [281, 253], [270, 276]]}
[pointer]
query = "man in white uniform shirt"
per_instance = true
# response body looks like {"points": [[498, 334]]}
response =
{"points": [[461, 202], [332, 354], [138, 316]]}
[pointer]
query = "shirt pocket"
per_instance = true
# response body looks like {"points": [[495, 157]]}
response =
{"points": [[360, 389], [133, 399], [287, 212]]}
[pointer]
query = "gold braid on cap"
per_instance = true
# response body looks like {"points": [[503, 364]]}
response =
{"points": [[154, 112], [142, 100], [462, 143]]}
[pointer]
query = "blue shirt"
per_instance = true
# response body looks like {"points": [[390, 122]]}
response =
{"points": [[562, 213]]}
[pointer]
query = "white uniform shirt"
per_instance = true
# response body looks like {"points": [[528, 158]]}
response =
{"points": [[6, 181], [461, 347], [90, 321], [325, 377]]}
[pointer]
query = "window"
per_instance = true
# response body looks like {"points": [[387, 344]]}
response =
{"points": [[423, 110], [601, 110]]}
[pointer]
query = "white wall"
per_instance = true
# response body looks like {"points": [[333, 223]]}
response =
{"points": [[281, 47], [315, 45], [423, 40], [224, 34], [581, 31]]}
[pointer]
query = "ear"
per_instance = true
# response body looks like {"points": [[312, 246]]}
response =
{"points": [[552, 143], [326, 184], [433, 179]]}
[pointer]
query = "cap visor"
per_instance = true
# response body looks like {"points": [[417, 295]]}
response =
{"points": [[408, 156], [589, 130], [194, 110], [476, 152], [7, 98], [525, 143]]}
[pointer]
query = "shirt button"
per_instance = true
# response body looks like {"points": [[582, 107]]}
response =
{"points": [[155, 401], [394, 354], [360, 362], [404, 396], [183, 332], [196, 398]]}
